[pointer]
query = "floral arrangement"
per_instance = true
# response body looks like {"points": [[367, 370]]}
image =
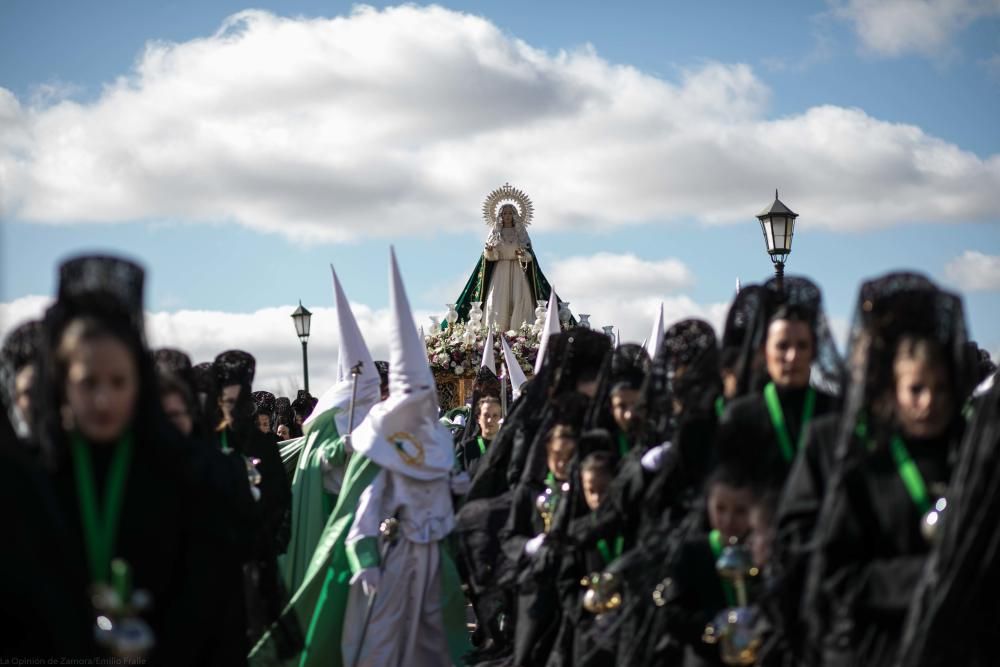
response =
{"points": [[458, 349]]}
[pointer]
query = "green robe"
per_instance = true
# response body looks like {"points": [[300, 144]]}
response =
{"points": [[320, 602], [290, 451], [311, 504]]}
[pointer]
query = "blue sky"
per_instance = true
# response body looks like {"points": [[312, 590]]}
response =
{"points": [[879, 128]]}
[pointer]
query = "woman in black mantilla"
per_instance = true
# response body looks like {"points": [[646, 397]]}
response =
{"points": [[901, 426], [796, 380], [229, 516], [735, 360], [18, 370], [507, 279], [234, 417], [126, 505], [680, 407], [266, 402], [619, 390], [531, 542]]}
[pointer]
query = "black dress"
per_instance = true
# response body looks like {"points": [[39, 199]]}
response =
{"points": [[470, 453], [538, 616], [747, 438], [870, 554], [44, 612], [227, 520], [795, 523], [585, 639], [265, 597], [161, 537], [696, 594]]}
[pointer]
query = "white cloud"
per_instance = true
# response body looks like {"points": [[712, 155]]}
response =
{"points": [[897, 27], [625, 274], [975, 271], [398, 122], [626, 291], [20, 310]]}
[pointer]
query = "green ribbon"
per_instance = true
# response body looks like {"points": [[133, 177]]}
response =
{"points": [[715, 542], [778, 419], [623, 445], [602, 546], [720, 406], [552, 483], [482, 444], [556, 487], [907, 468], [910, 474], [225, 441], [100, 525]]}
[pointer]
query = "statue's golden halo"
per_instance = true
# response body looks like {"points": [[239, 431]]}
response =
{"points": [[508, 194]]}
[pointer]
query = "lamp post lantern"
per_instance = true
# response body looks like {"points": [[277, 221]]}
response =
{"points": [[777, 222], [302, 319]]}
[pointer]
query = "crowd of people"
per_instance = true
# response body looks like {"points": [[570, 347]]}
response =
{"points": [[748, 498]]}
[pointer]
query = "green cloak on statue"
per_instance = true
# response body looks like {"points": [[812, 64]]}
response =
{"points": [[507, 259], [477, 288]]}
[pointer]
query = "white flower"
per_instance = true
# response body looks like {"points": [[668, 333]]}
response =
{"points": [[459, 370], [511, 334]]}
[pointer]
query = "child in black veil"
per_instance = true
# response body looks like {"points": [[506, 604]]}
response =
{"points": [[896, 448], [952, 619]]}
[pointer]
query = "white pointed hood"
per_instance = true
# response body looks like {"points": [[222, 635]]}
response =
{"points": [[353, 350], [551, 327], [514, 371], [652, 344], [403, 433], [489, 357]]}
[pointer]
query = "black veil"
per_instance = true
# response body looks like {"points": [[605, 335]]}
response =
{"points": [[800, 297], [953, 614], [110, 290]]}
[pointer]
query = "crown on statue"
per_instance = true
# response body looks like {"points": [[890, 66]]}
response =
{"points": [[508, 194]]}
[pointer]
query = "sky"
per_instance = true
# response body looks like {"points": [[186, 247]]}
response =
{"points": [[238, 150]]}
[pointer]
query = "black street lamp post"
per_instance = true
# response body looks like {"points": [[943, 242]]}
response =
{"points": [[778, 224], [302, 319]]}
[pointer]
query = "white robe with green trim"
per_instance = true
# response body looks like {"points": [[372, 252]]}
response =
{"points": [[406, 626]]}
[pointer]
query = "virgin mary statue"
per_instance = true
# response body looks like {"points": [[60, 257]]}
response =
{"points": [[507, 279]]}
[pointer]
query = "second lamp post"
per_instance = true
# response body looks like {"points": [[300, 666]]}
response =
{"points": [[302, 319]]}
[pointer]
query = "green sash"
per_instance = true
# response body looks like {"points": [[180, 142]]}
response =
{"points": [[100, 525], [715, 542], [623, 445], [778, 419], [910, 474], [720, 406], [606, 554]]}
